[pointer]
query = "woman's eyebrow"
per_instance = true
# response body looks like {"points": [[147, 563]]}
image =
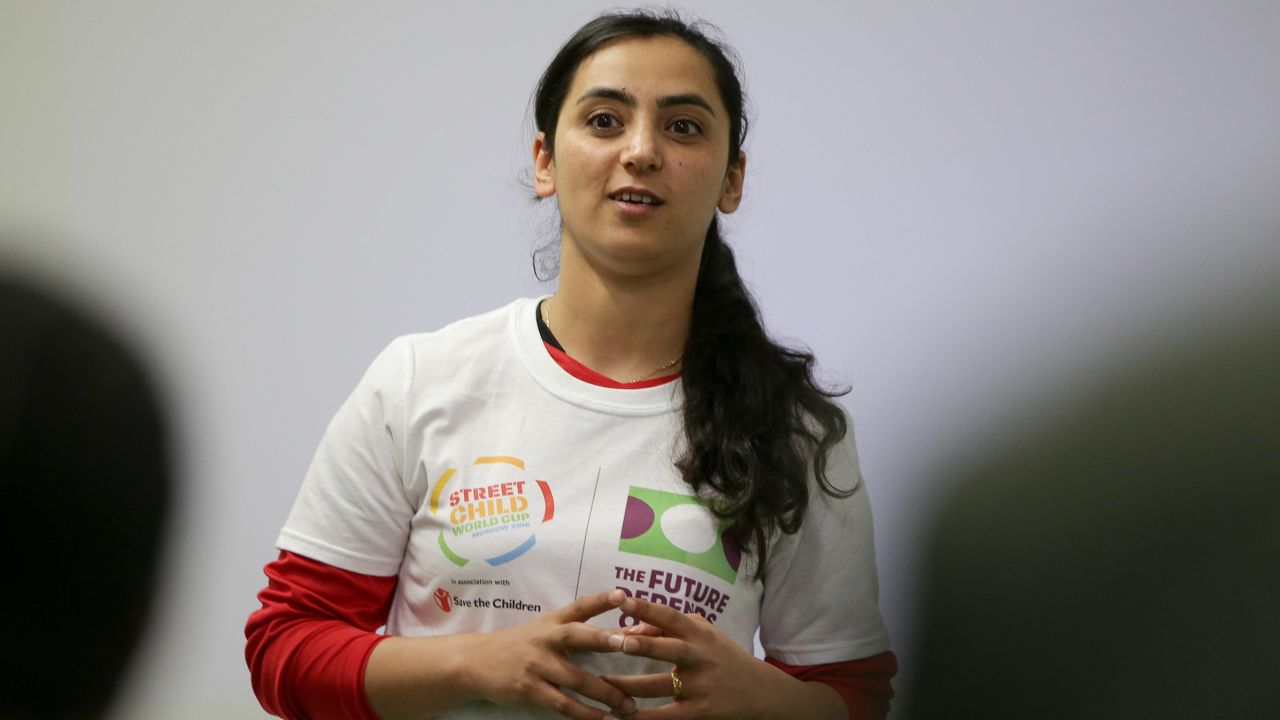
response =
{"points": [[629, 100], [686, 99]]}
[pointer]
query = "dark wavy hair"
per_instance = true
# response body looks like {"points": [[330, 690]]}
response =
{"points": [[755, 418]]}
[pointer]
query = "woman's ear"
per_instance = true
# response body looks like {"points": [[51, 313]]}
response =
{"points": [[731, 197], [544, 168]]}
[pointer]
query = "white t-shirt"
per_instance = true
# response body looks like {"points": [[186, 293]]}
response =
{"points": [[496, 487]]}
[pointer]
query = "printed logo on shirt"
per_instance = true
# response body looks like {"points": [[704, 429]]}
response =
{"points": [[494, 595], [494, 603], [442, 600], [491, 512], [675, 590], [680, 528]]}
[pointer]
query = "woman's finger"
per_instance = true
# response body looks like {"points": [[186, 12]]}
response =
{"points": [[589, 606], [645, 686], [558, 701], [581, 636], [570, 676], [672, 650], [643, 628], [671, 621]]}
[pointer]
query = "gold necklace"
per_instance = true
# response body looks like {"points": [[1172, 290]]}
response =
{"points": [[546, 319]]}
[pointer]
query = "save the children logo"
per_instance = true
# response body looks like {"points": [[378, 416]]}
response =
{"points": [[491, 512], [678, 527]]}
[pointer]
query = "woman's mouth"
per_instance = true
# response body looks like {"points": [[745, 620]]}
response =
{"points": [[632, 197]]}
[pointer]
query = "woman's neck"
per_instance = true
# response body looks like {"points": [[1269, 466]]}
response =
{"points": [[621, 327]]}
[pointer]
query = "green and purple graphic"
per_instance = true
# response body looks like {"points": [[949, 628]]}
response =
{"points": [[680, 528]]}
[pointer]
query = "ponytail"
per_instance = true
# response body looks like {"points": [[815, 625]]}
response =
{"points": [[756, 420]]}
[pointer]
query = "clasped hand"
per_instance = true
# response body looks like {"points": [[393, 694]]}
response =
{"points": [[529, 664]]}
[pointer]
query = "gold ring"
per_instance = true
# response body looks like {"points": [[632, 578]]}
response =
{"points": [[677, 687]]}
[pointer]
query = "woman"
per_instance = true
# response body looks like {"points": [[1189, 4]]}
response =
{"points": [[591, 500]]}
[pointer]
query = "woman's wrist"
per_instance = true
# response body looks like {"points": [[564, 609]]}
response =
{"points": [[419, 677], [464, 669], [783, 697]]}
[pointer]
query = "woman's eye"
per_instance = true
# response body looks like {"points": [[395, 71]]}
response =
{"points": [[602, 121], [684, 126]]}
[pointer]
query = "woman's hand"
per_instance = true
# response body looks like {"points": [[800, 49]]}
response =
{"points": [[526, 665], [718, 678]]}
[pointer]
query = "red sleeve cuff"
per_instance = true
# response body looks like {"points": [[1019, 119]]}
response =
{"points": [[864, 684]]}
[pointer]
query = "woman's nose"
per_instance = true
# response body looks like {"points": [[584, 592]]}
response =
{"points": [[642, 152]]}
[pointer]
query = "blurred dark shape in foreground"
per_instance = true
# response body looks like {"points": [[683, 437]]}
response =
{"points": [[84, 493], [1124, 561]]}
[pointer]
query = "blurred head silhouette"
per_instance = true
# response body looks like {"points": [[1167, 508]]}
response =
{"points": [[1124, 560], [84, 491]]}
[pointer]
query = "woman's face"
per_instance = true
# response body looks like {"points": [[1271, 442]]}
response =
{"points": [[641, 157]]}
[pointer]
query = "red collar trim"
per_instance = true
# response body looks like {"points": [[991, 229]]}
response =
{"points": [[586, 374]]}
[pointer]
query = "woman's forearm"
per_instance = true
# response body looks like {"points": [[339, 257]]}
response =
{"points": [[786, 697], [419, 677]]}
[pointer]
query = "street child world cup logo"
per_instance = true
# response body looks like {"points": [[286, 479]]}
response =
{"points": [[678, 527], [491, 512]]}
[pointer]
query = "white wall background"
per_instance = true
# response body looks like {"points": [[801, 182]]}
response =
{"points": [[966, 209]]}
